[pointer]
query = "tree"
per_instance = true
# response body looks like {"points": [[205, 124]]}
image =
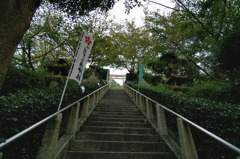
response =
{"points": [[44, 37], [130, 47], [15, 18], [169, 63], [199, 32]]}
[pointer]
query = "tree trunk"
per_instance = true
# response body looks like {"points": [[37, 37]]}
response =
{"points": [[15, 18]]}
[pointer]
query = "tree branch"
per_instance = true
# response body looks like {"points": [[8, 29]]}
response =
{"points": [[190, 59], [165, 6], [49, 51]]}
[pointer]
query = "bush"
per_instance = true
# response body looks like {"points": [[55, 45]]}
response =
{"points": [[212, 90], [101, 73], [131, 77], [153, 80], [220, 118], [26, 107], [18, 79]]}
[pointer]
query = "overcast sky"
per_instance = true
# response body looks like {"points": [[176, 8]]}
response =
{"points": [[136, 13]]}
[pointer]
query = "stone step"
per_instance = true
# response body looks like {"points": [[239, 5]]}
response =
{"points": [[117, 116], [117, 130], [117, 146], [116, 110], [116, 155], [119, 107], [114, 113], [117, 124], [127, 130], [131, 120], [117, 137]]}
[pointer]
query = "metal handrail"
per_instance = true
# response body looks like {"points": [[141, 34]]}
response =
{"points": [[25, 131], [224, 142]]}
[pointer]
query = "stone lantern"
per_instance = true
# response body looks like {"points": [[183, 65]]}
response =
{"points": [[177, 82], [58, 70], [93, 77]]}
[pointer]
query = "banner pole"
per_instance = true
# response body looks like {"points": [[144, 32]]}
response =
{"points": [[60, 103], [70, 71]]}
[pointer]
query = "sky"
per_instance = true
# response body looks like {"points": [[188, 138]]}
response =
{"points": [[118, 13]]}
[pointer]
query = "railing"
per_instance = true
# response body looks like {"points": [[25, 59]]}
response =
{"points": [[186, 148], [52, 143]]}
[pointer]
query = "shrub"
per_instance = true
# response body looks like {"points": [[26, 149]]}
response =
{"points": [[220, 118], [212, 90], [18, 79], [26, 107], [153, 80], [101, 73], [131, 77]]}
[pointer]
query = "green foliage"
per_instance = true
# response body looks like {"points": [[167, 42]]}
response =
{"points": [[153, 80], [212, 90], [26, 107], [130, 46], [18, 79], [83, 7], [229, 57], [220, 118], [115, 85], [102, 73], [131, 77], [198, 34]]}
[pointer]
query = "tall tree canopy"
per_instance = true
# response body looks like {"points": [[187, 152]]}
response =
{"points": [[130, 46], [197, 31], [15, 18]]}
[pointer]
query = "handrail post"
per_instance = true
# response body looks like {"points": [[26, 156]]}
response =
{"points": [[134, 97], [73, 119], [149, 110], [1, 155], [187, 146], [50, 138], [161, 121], [137, 99], [94, 100], [90, 102], [98, 96], [144, 104], [85, 108], [140, 102]]}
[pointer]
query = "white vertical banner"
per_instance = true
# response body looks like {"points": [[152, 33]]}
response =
{"points": [[81, 59]]}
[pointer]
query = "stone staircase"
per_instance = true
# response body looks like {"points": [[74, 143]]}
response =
{"points": [[117, 130]]}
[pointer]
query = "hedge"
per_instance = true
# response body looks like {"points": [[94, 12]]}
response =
{"points": [[18, 79], [26, 107], [221, 119]]}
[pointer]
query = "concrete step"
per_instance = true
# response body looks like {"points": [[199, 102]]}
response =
{"points": [[116, 106], [127, 130], [114, 113], [106, 119], [117, 124], [117, 137], [116, 110], [116, 155], [117, 130], [117, 146], [117, 116]]}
